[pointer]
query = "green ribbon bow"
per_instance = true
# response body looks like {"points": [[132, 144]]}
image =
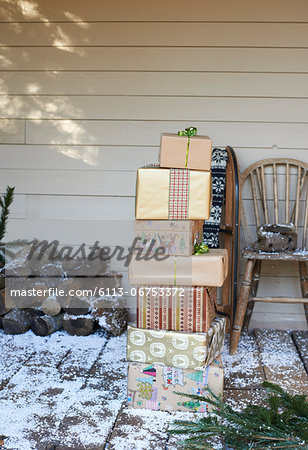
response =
{"points": [[191, 131], [199, 249]]}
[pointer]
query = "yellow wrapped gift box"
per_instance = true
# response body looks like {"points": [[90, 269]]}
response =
{"points": [[174, 194]]}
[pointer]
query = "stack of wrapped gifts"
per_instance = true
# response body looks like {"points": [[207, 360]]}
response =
{"points": [[176, 343]]}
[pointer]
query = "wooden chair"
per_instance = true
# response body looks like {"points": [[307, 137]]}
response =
{"points": [[278, 188]]}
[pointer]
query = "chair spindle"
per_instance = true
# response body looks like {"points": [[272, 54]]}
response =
{"points": [[275, 186], [254, 197], [297, 198], [287, 220], [264, 195], [304, 240]]}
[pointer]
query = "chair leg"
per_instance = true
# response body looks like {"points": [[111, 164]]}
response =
{"points": [[304, 284], [253, 292], [306, 311], [242, 305]]}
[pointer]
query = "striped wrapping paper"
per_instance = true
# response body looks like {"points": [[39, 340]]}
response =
{"points": [[164, 308]]}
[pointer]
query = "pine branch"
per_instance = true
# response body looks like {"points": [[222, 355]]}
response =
{"points": [[5, 203], [281, 423], [292, 402]]}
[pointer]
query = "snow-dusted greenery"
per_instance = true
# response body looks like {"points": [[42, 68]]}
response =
{"points": [[282, 422], [5, 248]]}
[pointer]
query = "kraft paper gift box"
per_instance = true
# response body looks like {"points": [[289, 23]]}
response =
{"points": [[153, 386], [173, 194], [208, 269], [176, 348], [175, 151], [179, 309], [176, 236]]}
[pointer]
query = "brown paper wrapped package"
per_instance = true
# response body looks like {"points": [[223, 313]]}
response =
{"points": [[154, 386], [209, 269], [152, 194], [173, 149]]}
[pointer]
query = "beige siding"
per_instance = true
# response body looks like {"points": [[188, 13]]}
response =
{"points": [[87, 88], [212, 59], [161, 11]]}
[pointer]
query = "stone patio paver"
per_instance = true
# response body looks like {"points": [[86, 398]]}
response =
{"points": [[281, 361], [64, 392]]}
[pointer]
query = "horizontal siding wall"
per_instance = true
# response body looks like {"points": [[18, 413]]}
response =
{"points": [[87, 88]]}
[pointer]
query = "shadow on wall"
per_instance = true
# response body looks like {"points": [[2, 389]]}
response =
{"points": [[15, 109]]}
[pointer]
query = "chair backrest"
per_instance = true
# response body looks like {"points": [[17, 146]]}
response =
{"points": [[274, 191]]}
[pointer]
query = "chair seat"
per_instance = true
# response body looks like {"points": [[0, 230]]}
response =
{"points": [[299, 255]]}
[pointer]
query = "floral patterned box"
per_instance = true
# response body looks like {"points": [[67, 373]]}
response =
{"points": [[153, 386]]}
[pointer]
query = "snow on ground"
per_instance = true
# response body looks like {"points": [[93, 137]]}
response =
{"points": [[243, 369], [70, 390], [43, 389]]}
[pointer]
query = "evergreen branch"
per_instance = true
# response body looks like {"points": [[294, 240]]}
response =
{"points": [[281, 423], [280, 446], [5, 203], [271, 438], [290, 401]]}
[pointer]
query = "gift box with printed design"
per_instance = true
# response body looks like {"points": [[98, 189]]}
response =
{"points": [[153, 386], [178, 349], [173, 194], [176, 308], [208, 269], [182, 151], [176, 236]]}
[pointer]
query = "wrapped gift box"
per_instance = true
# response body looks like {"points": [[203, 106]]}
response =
{"points": [[208, 269], [179, 309], [176, 348], [174, 152], [174, 194], [176, 236], [154, 386]]}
